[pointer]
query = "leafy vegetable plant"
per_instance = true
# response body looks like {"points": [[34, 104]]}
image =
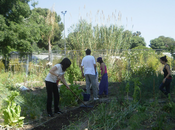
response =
{"points": [[11, 113]]}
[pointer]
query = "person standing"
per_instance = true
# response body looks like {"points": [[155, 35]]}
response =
{"points": [[56, 74], [165, 85], [103, 87], [89, 73]]}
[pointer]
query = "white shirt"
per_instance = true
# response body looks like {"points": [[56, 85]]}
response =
{"points": [[88, 62], [53, 78]]}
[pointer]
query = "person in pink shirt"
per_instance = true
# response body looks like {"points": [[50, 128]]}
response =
{"points": [[103, 87]]}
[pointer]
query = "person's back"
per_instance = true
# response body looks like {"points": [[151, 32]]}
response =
{"points": [[88, 62]]}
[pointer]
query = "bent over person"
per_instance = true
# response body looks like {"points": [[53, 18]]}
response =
{"points": [[89, 73], [56, 74]]}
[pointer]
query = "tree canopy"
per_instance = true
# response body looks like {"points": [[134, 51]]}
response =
{"points": [[21, 27], [162, 42], [137, 40]]}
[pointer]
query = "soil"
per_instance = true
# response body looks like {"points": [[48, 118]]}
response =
{"points": [[65, 119]]}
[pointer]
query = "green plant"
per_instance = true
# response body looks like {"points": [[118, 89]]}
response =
{"points": [[127, 89], [11, 113], [2, 67], [67, 97], [137, 90]]}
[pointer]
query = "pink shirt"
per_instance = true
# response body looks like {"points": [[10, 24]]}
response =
{"points": [[102, 70]]}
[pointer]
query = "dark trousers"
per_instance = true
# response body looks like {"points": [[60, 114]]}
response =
{"points": [[165, 87], [52, 88]]}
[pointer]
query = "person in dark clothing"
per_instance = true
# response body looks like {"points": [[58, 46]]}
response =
{"points": [[165, 85], [56, 74]]}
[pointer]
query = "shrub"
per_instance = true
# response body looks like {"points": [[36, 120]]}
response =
{"points": [[2, 67]]}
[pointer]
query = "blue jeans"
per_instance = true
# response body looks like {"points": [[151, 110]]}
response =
{"points": [[165, 87]]}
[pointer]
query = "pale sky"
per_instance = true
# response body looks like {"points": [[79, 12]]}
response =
{"points": [[153, 18]]}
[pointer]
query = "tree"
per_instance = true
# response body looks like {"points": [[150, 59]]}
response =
{"points": [[18, 28], [126, 42], [55, 29], [137, 41], [137, 33], [18, 31], [162, 43], [157, 43]]}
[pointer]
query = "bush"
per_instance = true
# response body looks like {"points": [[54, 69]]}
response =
{"points": [[2, 67]]}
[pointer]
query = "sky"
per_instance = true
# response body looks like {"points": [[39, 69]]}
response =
{"points": [[153, 18]]}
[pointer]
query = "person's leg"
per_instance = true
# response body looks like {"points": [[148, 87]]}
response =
{"points": [[168, 82], [162, 88], [94, 87], [97, 83], [101, 87], [88, 82], [49, 97], [56, 97], [106, 85]]}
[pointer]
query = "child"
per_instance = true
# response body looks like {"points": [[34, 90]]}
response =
{"points": [[103, 87]]}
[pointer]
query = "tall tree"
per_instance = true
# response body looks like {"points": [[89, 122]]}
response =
{"points": [[137, 40], [18, 33], [163, 43], [55, 28]]}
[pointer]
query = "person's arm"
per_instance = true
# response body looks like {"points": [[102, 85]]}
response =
{"points": [[82, 71], [95, 68], [103, 69], [52, 71], [64, 81]]}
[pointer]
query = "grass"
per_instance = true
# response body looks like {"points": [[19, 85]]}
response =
{"points": [[130, 116]]}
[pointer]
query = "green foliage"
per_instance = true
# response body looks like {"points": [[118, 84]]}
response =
{"points": [[33, 104], [83, 35], [137, 41], [163, 43], [127, 89], [40, 15], [2, 67], [141, 63], [74, 71], [67, 98], [137, 91], [11, 113]]}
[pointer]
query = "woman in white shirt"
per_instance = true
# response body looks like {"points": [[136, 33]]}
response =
{"points": [[55, 73]]}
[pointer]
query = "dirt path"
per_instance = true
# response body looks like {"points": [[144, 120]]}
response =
{"points": [[65, 119]]}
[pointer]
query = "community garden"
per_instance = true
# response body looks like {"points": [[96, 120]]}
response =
{"points": [[134, 101], [134, 72]]}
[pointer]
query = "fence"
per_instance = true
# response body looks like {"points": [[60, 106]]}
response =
{"points": [[21, 62]]}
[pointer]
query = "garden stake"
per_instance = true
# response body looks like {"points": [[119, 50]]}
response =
{"points": [[81, 100]]}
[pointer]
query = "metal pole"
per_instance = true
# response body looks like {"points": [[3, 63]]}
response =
{"points": [[64, 32]]}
